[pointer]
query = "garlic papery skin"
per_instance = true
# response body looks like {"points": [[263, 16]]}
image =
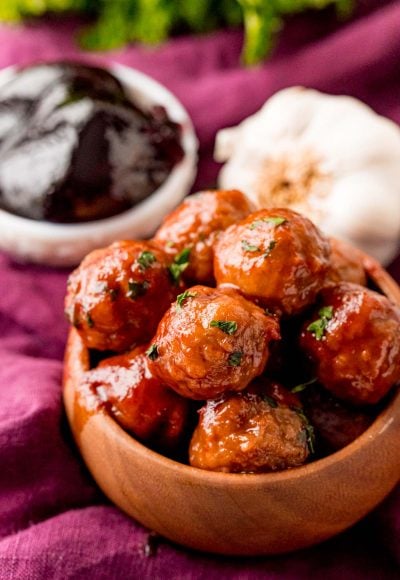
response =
{"points": [[329, 157]]}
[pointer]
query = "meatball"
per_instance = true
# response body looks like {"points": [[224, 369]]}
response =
{"points": [[346, 264], [118, 294], [211, 341], [353, 339], [138, 401], [196, 224], [274, 256], [251, 431], [336, 423]]}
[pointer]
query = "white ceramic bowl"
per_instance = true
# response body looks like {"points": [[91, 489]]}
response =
{"points": [[67, 244]]}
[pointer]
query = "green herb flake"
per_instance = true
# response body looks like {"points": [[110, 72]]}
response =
{"points": [[179, 265], [146, 259], [89, 320], [235, 358], [249, 247], [227, 326], [271, 246], [308, 429], [318, 327], [276, 221], [152, 352], [136, 289], [180, 299], [271, 402], [170, 244], [302, 386]]}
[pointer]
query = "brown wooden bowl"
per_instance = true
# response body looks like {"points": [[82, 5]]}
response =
{"points": [[239, 514]]}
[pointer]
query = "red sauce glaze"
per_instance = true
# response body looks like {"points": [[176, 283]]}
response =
{"points": [[336, 423], [140, 403], [198, 358], [252, 431], [118, 294], [358, 356], [346, 264], [196, 224], [280, 265]]}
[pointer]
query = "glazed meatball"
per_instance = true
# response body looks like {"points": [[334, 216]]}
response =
{"points": [[138, 401], [346, 264], [118, 294], [336, 423], [276, 257], [251, 431], [196, 224], [353, 339], [211, 341]]}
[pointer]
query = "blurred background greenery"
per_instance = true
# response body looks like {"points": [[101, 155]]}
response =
{"points": [[117, 22]]}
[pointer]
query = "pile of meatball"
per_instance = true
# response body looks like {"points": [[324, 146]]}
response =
{"points": [[235, 340]]}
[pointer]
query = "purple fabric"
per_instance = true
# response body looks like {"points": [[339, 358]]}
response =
{"points": [[54, 522]]}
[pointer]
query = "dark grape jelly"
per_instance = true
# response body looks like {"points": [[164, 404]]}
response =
{"points": [[75, 148]]}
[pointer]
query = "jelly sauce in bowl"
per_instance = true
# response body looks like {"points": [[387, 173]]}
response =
{"points": [[74, 147], [87, 156]]}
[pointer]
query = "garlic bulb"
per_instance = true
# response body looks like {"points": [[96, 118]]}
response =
{"points": [[331, 158]]}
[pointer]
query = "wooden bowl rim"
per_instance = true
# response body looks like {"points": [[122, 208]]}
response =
{"points": [[376, 428]]}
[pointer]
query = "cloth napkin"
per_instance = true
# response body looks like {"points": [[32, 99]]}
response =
{"points": [[54, 521]]}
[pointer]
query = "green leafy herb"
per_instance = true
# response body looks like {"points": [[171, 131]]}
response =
{"points": [[180, 299], [179, 265], [248, 247], [227, 326], [309, 429], [118, 22], [318, 327], [271, 246], [152, 352], [235, 358], [136, 289], [303, 386], [276, 221], [170, 244], [146, 259], [271, 402], [89, 320]]}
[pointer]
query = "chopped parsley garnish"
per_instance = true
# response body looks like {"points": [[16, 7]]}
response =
{"points": [[146, 259], [180, 299], [180, 263], [271, 402], [152, 352], [318, 327], [276, 221], [309, 429], [136, 289], [271, 246], [89, 320], [235, 358], [248, 247], [303, 386], [227, 326]]}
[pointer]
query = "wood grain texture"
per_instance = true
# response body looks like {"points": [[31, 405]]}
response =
{"points": [[235, 513]]}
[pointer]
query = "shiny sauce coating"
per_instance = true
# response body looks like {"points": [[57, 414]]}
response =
{"points": [[74, 147]]}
